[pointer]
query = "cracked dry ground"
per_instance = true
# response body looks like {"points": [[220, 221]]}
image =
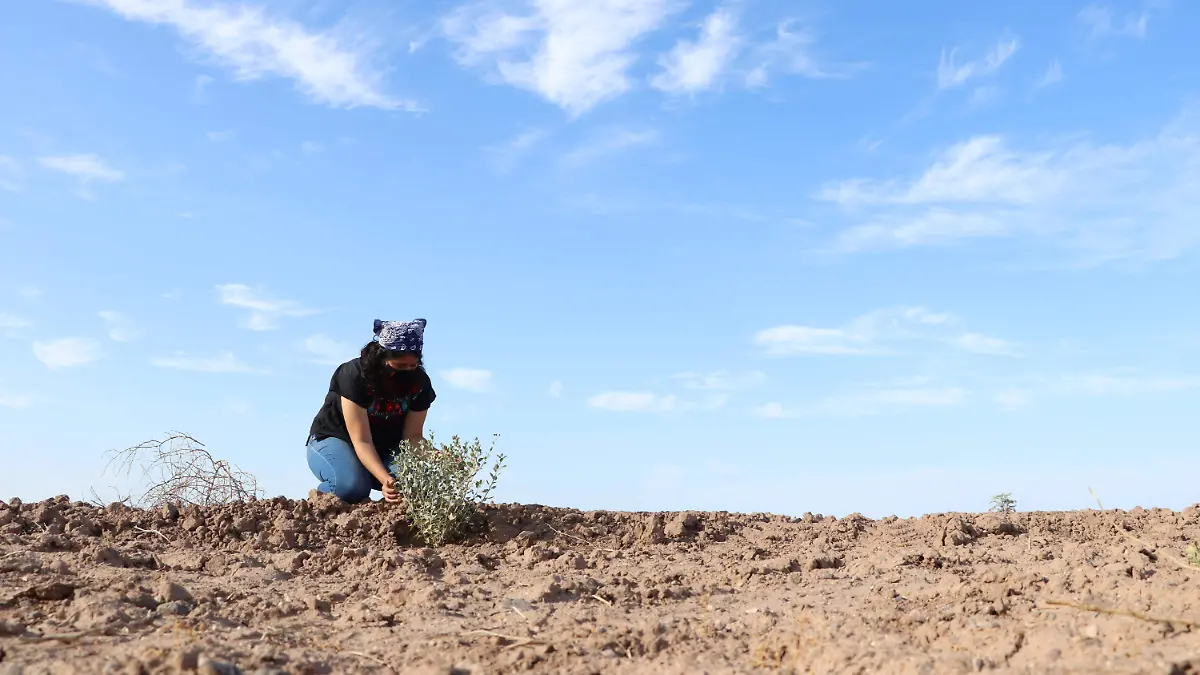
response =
{"points": [[282, 586]]}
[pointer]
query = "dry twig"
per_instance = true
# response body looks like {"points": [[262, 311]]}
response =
{"points": [[164, 537], [581, 540], [516, 641], [179, 470], [1123, 612]]}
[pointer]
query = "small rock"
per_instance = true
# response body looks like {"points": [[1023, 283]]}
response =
{"points": [[192, 523], [185, 660], [246, 525], [60, 567], [11, 627], [207, 666], [174, 608], [169, 511], [169, 591], [110, 556], [681, 524]]}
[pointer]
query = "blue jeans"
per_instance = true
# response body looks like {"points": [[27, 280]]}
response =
{"points": [[334, 462]]}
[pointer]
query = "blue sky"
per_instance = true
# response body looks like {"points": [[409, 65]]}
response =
{"points": [[802, 256]]}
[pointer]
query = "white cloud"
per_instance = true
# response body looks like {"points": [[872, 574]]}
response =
{"points": [[66, 352], [633, 401], [870, 401], [11, 324], [1053, 74], [325, 350], [506, 155], [1011, 399], [85, 167], [608, 143], [1101, 23], [1102, 202], [331, 69], [720, 380], [15, 401], [120, 327], [1099, 384], [555, 390], [773, 411], [29, 292], [697, 65], [469, 379], [978, 343], [311, 148], [222, 363], [11, 174], [219, 136], [573, 54], [951, 74], [265, 311], [878, 332], [790, 52]]}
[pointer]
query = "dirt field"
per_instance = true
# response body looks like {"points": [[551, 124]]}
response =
{"points": [[281, 586]]}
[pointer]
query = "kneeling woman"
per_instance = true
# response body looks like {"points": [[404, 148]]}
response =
{"points": [[375, 401]]}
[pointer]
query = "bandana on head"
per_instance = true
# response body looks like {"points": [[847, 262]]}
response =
{"points": [[400, 336]]}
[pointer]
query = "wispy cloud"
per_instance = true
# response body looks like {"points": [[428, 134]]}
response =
{"points": [[86, 167], [220, 136], [330, 68], [633, 401], [11, 325], [325, 350], [311, 148], [575, 55], [469, 379], [790, 53], [15, 401], [606, 143], [870, 401], [506, 155], [265, 311], [720, 380], [555, 390], [952, 74], [879, 332], [67, 352], [12, 178], [120, 327], [1053, 74], [697, 65], [1101, 22], [1102, 202], [222, 363]]}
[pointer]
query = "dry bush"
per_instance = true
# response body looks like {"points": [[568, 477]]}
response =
{"points": [[178, 470]]}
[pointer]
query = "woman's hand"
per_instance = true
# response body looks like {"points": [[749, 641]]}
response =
{"points": [[389, 490]]}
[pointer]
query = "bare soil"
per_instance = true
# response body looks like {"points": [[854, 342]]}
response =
{"points": [[316, 586]]}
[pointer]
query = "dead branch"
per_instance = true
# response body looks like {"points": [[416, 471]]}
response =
{"points": [[179, 470]]}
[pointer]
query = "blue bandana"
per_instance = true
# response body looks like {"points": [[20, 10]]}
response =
{"points": [[400, 336]]}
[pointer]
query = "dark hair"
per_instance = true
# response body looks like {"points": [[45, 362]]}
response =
{"points": [[372, 360]]}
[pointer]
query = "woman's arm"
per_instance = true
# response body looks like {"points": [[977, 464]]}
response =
{"points": [[360, 435], [414, 426]]}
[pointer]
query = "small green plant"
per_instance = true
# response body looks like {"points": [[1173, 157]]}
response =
{"points": [[440, 484], [1193, 554], [1004, 504]]}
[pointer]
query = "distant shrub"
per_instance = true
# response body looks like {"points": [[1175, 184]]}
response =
{"points": [[440, 484], [1004, 504]]}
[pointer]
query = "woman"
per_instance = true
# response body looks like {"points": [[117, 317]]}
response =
{"points": [[375, 401]]}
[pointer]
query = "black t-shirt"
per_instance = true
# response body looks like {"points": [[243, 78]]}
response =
{"points": [[386, 409]]}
